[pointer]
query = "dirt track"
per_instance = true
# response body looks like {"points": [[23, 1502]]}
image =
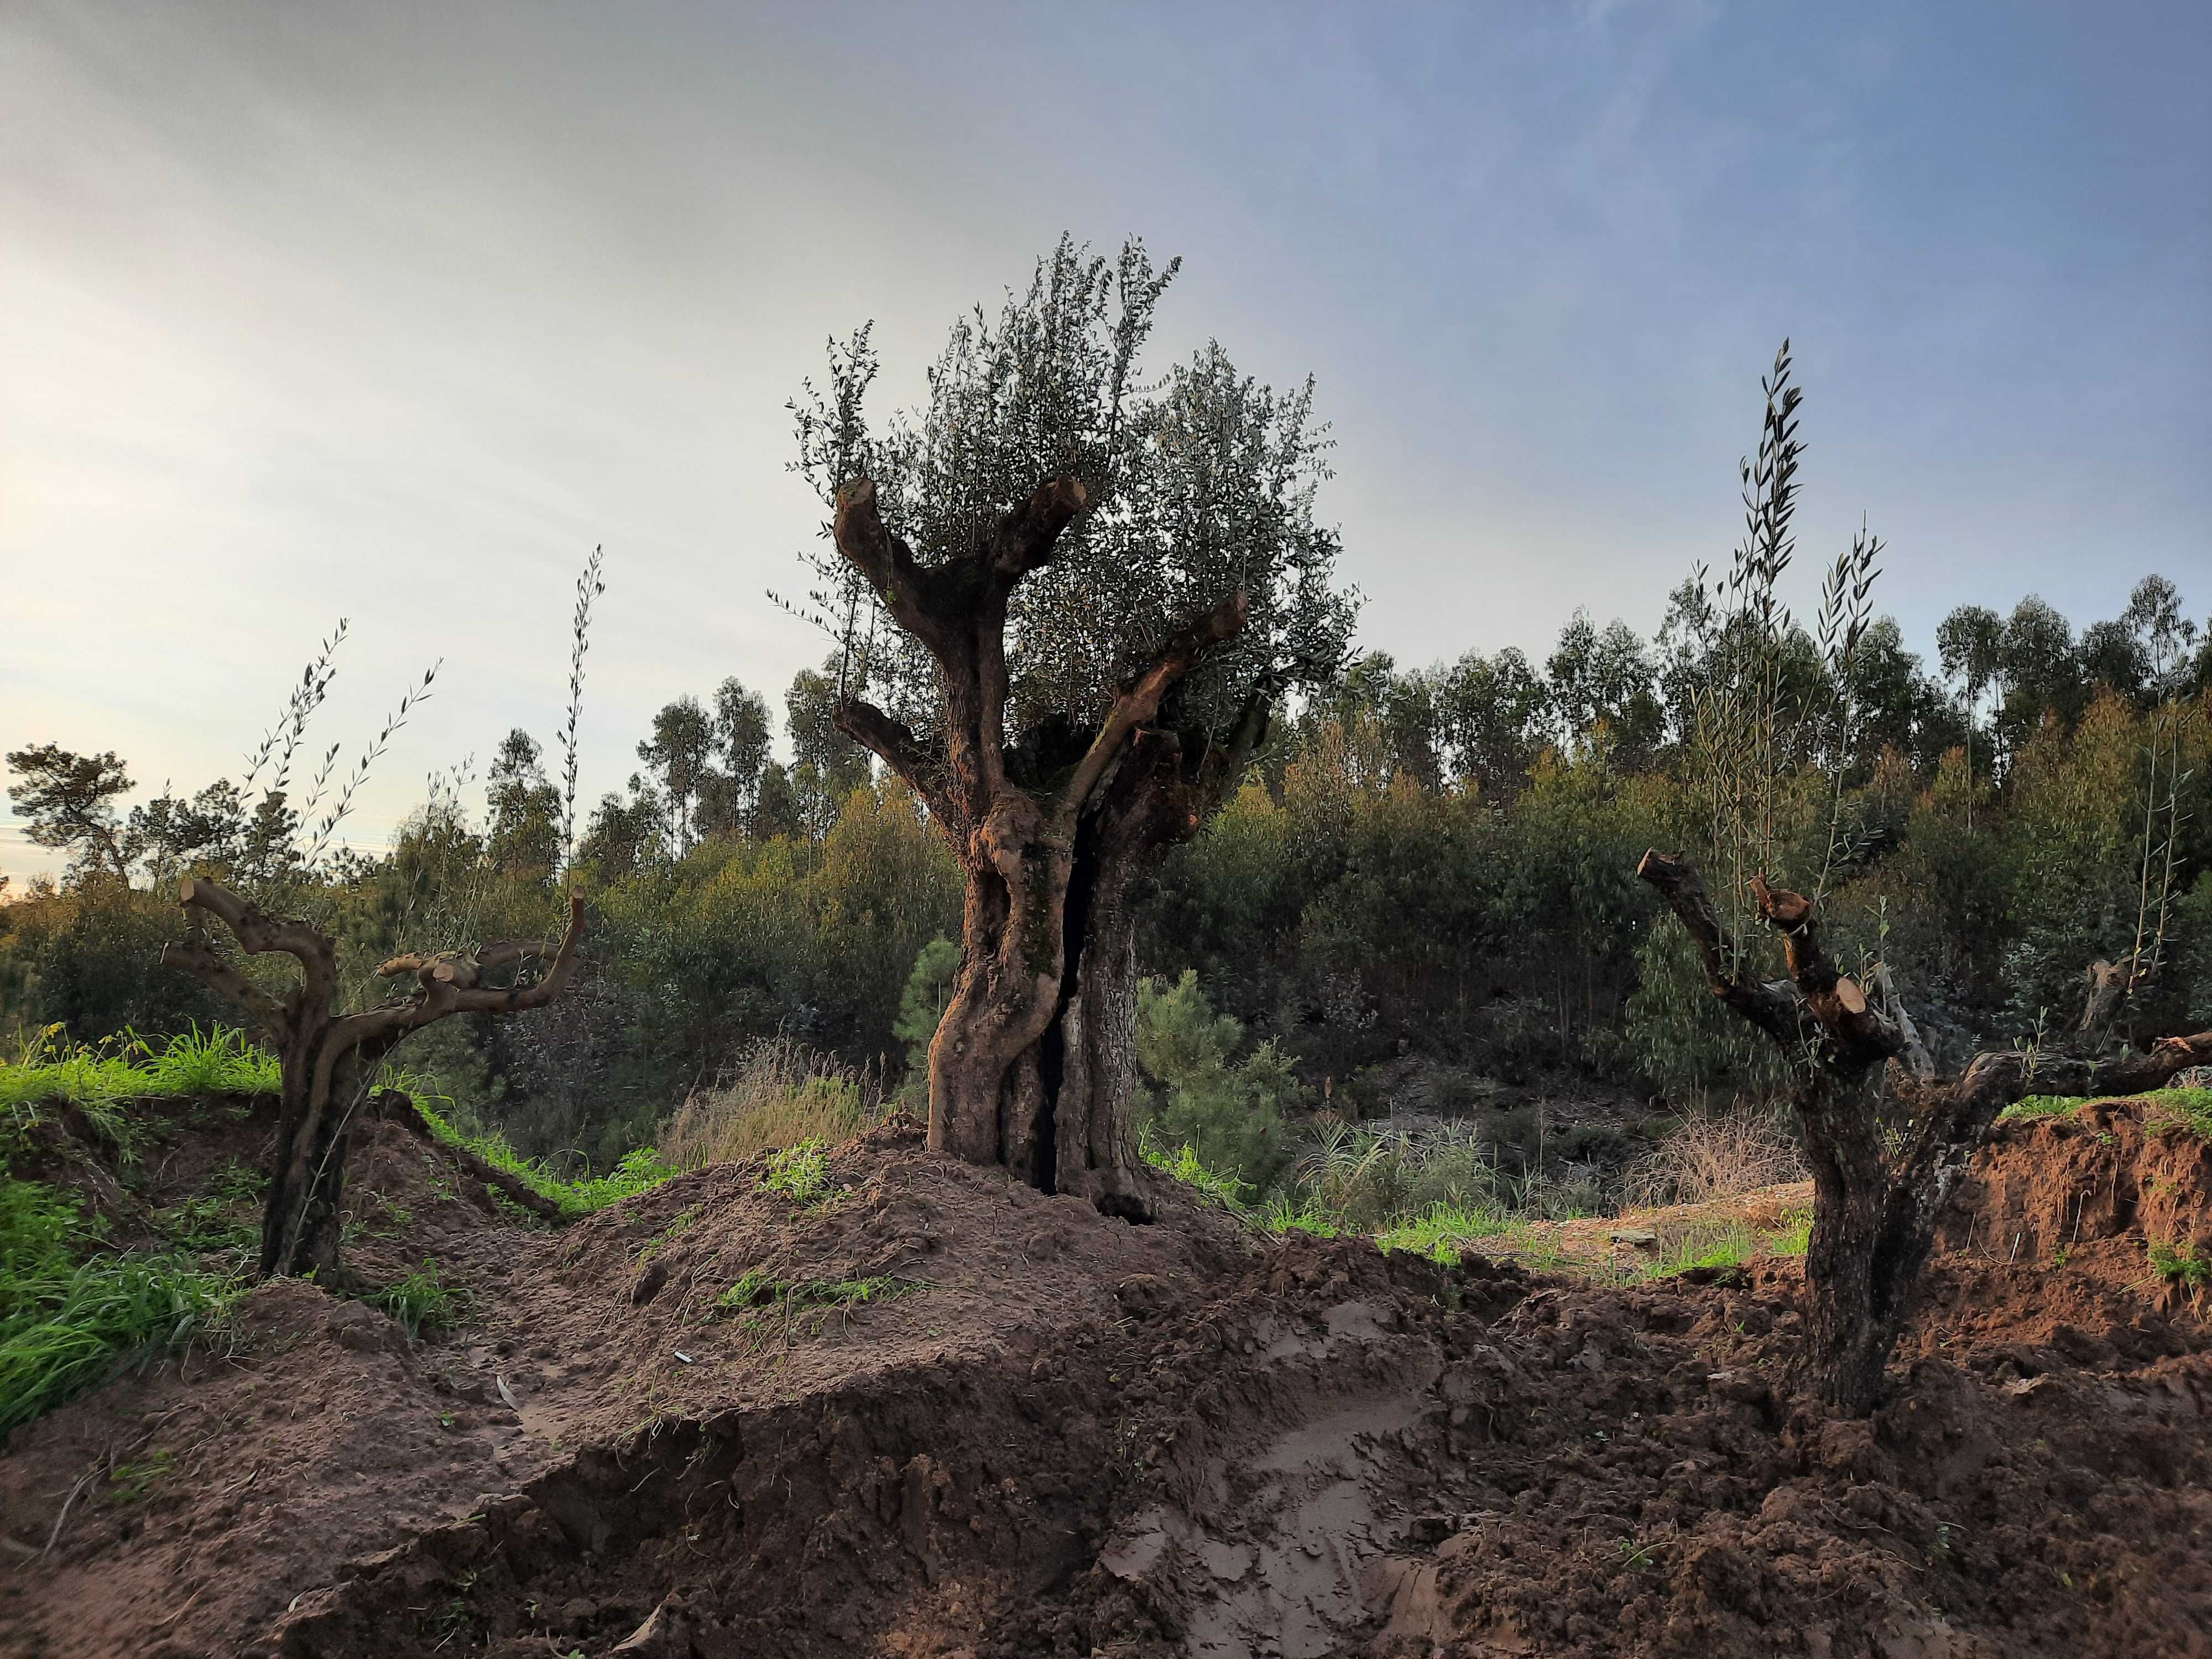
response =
{"points": [[1067, 1434]]}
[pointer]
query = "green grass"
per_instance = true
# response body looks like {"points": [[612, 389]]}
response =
{"points": [[421, 1301], [72, 1312], [224, 1218], [636, 1173], [1439, 1234], [217, 1061], [1181, 1164], [686, 1219], [1728, 1245], [2188, 1110], [752, 1289], [96, 1078], [2033, 1107], [128, 1482], [1444, 1231], [765, 1306]]}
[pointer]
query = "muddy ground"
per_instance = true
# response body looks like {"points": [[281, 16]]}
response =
{"points": [[1045, 1431]]}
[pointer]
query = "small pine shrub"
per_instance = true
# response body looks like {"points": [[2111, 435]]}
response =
{"points": [[1232, 1112]]}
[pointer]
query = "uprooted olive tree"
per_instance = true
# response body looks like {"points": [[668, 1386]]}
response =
{"points": [[1095, 597], [330, 1059], [1887, 1139]]}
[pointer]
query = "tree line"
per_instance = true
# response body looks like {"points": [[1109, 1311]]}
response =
{"points": [[1440, 859]]}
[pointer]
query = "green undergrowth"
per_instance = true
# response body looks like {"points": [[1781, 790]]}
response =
{"points": [[639, 1172], [101, 1079], [73, 1311], [224, 1218], [766, 1308], [75, 1308], [1445, 1231], [1730, 1244], [423, 1302], [2188, 1110], [127, 1066], [800, 1173], [2184, 1263]]}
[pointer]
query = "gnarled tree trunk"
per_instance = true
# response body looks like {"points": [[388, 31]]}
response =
{"points": [[1879, 1188], [329, 1059], [1032, 1065]]}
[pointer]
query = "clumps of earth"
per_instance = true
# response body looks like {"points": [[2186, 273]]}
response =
{"points": [[905, 1406]]}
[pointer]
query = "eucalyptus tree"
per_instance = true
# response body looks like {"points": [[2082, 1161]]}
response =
{"points": [[742, 732], [680, 754], [1066, 603]]}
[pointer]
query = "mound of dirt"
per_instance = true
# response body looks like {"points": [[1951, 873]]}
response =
{"points": [[920, 1409]]}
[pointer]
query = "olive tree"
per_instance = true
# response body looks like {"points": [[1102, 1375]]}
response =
{"points": [[1067, 603], [329, 1059], [1886, 1133]]}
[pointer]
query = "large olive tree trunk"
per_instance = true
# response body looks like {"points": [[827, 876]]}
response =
{"points": [[1032, 1065], [1880, 1178], [330, 1060]]}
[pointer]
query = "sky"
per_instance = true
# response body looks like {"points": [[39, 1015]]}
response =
{"points": [[395, 313]]}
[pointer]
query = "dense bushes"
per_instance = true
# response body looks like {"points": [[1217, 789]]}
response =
{"points": [[1350, 910]]}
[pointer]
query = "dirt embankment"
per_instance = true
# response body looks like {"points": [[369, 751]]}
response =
{"points": [[932, 1413]]}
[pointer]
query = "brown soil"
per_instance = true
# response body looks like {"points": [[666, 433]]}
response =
{"points": [[1068, 1435]]}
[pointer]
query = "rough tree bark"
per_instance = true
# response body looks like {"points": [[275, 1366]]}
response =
{"points": [[1877, 1195], [2108, 984], [1032, 1065], [329, 1059]]}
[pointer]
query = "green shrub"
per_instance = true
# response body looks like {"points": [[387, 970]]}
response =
{"points": [[2184, 1263], [800, 1173], [1232, 1112]]}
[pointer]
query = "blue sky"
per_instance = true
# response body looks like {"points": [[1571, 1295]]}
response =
{"points": [[395, 313]]}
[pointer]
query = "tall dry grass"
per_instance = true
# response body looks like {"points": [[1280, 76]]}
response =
{"points": [[1715, 1156], [781, 1093]]}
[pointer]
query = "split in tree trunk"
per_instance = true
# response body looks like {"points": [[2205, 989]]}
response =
{"points": [[1033, 1064], [1878, 1189], [329, 1059]]}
